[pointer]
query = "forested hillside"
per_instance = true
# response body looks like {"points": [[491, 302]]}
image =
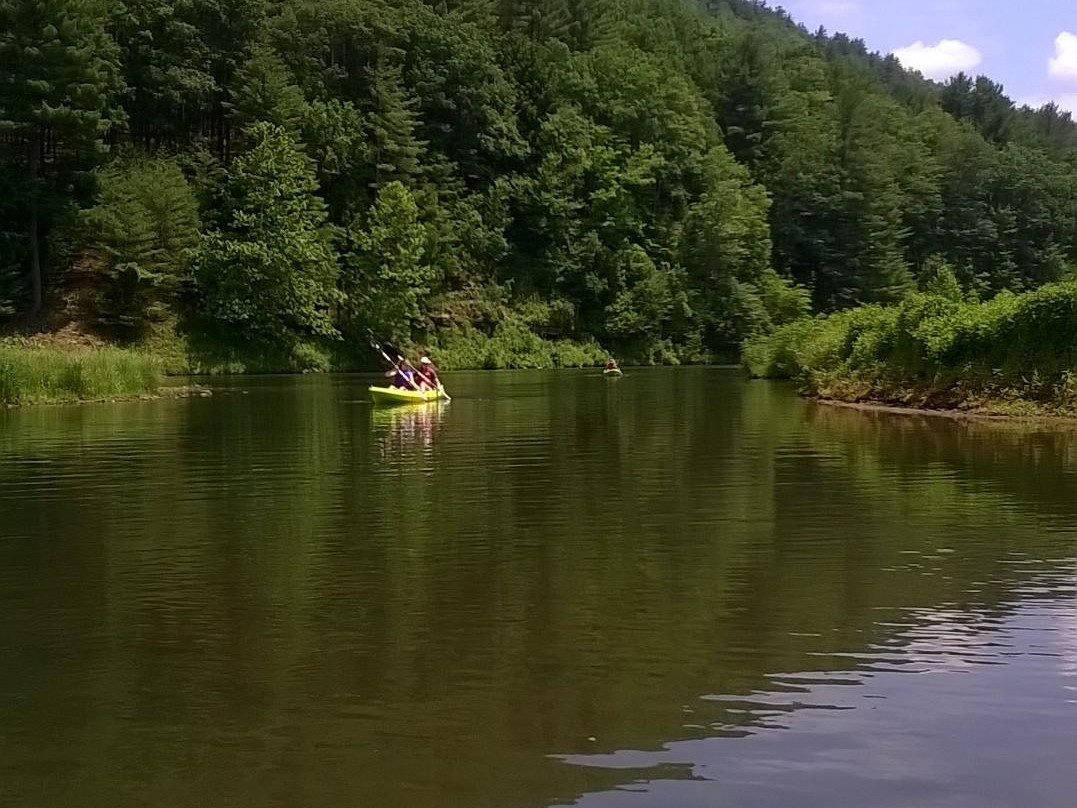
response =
{"points": [[660, 178]]}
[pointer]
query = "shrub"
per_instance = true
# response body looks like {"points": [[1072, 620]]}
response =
{"points": [[512, 345], [933, 349]]}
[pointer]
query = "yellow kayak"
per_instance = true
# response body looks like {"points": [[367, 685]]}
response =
{"points": [[397, 395], [612, 372]]}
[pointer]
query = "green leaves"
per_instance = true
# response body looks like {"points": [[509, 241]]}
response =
{"points": [[385, 276], [933, 351], [270, 272], [264, 91], [141, 236], [59, 88]]}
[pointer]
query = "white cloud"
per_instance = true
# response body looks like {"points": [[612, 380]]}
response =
{"points": [[939, 61], [1064, 63]]}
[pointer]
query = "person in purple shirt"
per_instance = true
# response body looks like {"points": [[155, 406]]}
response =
{"points": [[403, 376]]}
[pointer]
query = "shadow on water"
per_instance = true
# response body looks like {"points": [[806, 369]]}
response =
{"points": [[283, 596]]}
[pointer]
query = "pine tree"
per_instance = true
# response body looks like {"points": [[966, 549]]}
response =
{"points": [[265, 91], [746, 89], [59, 76], [141, 236], [269, 273], [394, 122], [385, 275]]}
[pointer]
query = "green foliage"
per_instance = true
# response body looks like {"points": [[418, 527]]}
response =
{"points": [[264, 91], [60, 81], [512, 345], [63, 72], [337, 137], [938, 278], [143, 232], [180, 59], [394, 125], [725, 250], [933, 351], [645, 302], [384, 275], [269, 273], [43, 375]]}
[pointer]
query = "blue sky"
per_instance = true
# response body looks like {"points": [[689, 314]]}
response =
{"points": [[1030, 46]]}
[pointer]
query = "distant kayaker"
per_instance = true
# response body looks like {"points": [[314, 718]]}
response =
{"points": [[428, 374], [611, 364]]}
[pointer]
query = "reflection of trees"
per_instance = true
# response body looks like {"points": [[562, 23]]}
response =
{"points": [[398, 606], [1032, 465]]}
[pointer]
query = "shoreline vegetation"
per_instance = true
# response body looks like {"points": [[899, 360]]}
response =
{"points": [[1013, 355], [70, 367]]}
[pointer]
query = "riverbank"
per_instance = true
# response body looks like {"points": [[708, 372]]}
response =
{"points": [[69, 365], [987, 416], [1012, 356]]}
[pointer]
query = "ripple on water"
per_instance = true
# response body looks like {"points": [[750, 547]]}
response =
{"points": [[682, 589]]}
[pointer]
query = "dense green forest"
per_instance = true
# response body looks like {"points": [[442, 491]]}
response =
{"points": [[508, 182]]}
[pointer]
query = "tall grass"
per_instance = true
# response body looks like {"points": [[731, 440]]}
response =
{"points": [[31, 375], [1002, 354]]}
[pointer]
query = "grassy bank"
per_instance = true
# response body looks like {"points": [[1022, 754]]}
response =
{"points": [[1012, 355], [31, 375], [50, 369]]}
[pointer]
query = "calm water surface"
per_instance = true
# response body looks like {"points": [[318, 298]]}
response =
{"points": [[673, 589]]}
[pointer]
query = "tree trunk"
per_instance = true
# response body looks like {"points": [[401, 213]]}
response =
{"points": [[35, 247]]}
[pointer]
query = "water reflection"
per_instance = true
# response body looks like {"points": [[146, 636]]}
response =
{"points": [[407, 431]]}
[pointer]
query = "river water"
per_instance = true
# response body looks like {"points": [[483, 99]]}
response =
{"points": [[674, 589]]}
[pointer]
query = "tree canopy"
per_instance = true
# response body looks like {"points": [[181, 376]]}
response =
{"points": [[664, 177]]}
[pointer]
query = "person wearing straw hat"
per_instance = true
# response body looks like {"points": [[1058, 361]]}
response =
{"points": [[427, 374]]}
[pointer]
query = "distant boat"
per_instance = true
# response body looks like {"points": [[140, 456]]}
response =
{"points": [[611, 372]]}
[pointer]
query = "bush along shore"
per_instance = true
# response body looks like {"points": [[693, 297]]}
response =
{"points": [[1015, 354]]}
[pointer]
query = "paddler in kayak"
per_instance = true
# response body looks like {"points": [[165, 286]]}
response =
{"points": [[611, 364], [403, 375], [427, 375]]}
